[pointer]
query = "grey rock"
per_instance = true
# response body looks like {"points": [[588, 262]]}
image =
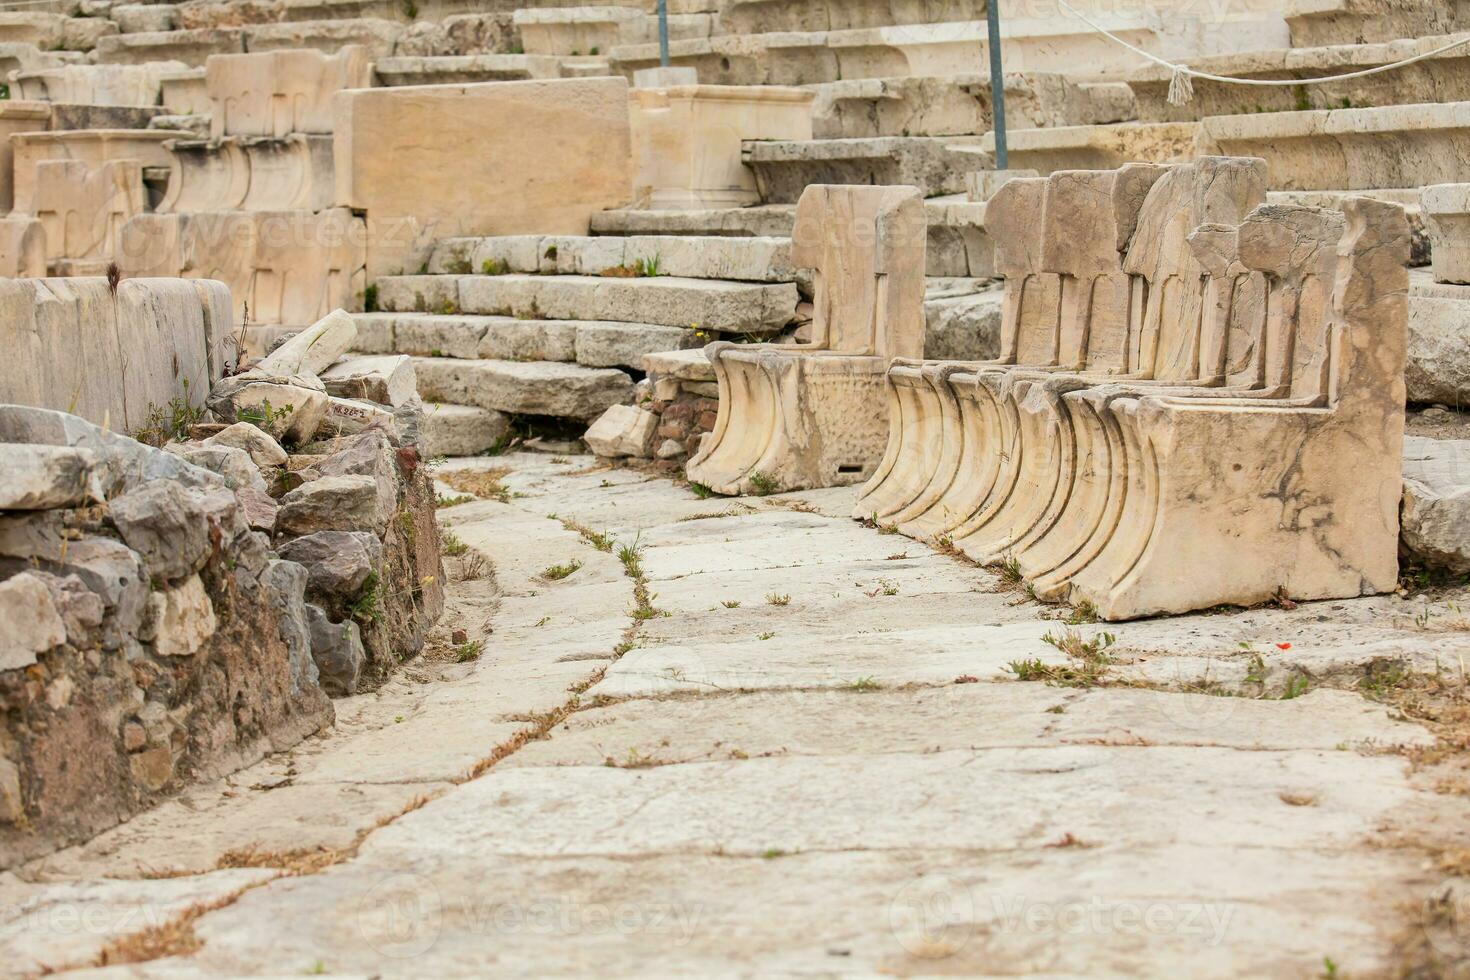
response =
{"points": [[338, 562], [285, 583], [1436, 508], [338, 652], [80, 608], [234, 465], [116, 574], [162, 523], [122, 463], [264, 451], [333, 503], [37, 534], [45, 477], [366, 454]]}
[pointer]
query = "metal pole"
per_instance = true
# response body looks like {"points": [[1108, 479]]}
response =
{"points": [[663, 33], [997, 82]]}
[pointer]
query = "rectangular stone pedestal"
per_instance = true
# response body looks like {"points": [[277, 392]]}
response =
{"points": [[687, 140]]}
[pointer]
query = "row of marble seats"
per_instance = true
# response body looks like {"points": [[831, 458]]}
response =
{"points": [[1199, 397]]}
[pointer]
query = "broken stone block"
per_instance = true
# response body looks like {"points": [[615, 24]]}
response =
{"points": [[235, 465], [333, 503], [29, 622], [1436, 509], [338, 563], [385, 379], [285, 408], [338, 652], [622, 431], [1438, 370], [792, 417], [346, 417], [1446, 209], [181, 619], [80, 608], [670, 449], [113, 572], [312, 350], [461, 430], [264, 451], [163, 522], [46, 477]]}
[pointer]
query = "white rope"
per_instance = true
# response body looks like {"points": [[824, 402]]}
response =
{"points": [[1181, 91]]}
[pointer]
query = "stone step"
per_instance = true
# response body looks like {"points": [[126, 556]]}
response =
{"points": [[446, 429], [597, 30], [711, 305], [1315, 23], [1443, 78], [767, 16], [190, 47], [590, 343], [465, 69], [1397, 146], [957, 105], [1087, 147], [1033, 44], [405, 11], [691, 257], [958, 245], [784, 168], [523, 387], [378, 35]]}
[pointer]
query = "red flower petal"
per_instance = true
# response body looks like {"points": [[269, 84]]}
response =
{"points": [[1283, 646]]}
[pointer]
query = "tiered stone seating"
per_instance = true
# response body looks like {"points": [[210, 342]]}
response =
{"points": [[797, 416], [1186, 375]]}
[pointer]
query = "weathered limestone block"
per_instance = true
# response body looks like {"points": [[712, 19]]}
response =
{"points": [[181, 619], [687, 140], [347, 416], [114, 85], [784, 169], [192, 47], [1129, 454], [172, 336], [385, 379], [1342, 149], [1436, 507], [314, 349], [461, 430], [334, 503], [812, 415], [47, 477], [289, 267], [159, 521], [506, 158], [523, 387], [1438, 369], [623, 430], [377, 36], [83, 208], [136, 18], [262, 449], [43, 29], [29, 622], [1446, 209], [276, 93], [93, 147], [288, 408], [1091, 147], [22, 247], [83, 33]]}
